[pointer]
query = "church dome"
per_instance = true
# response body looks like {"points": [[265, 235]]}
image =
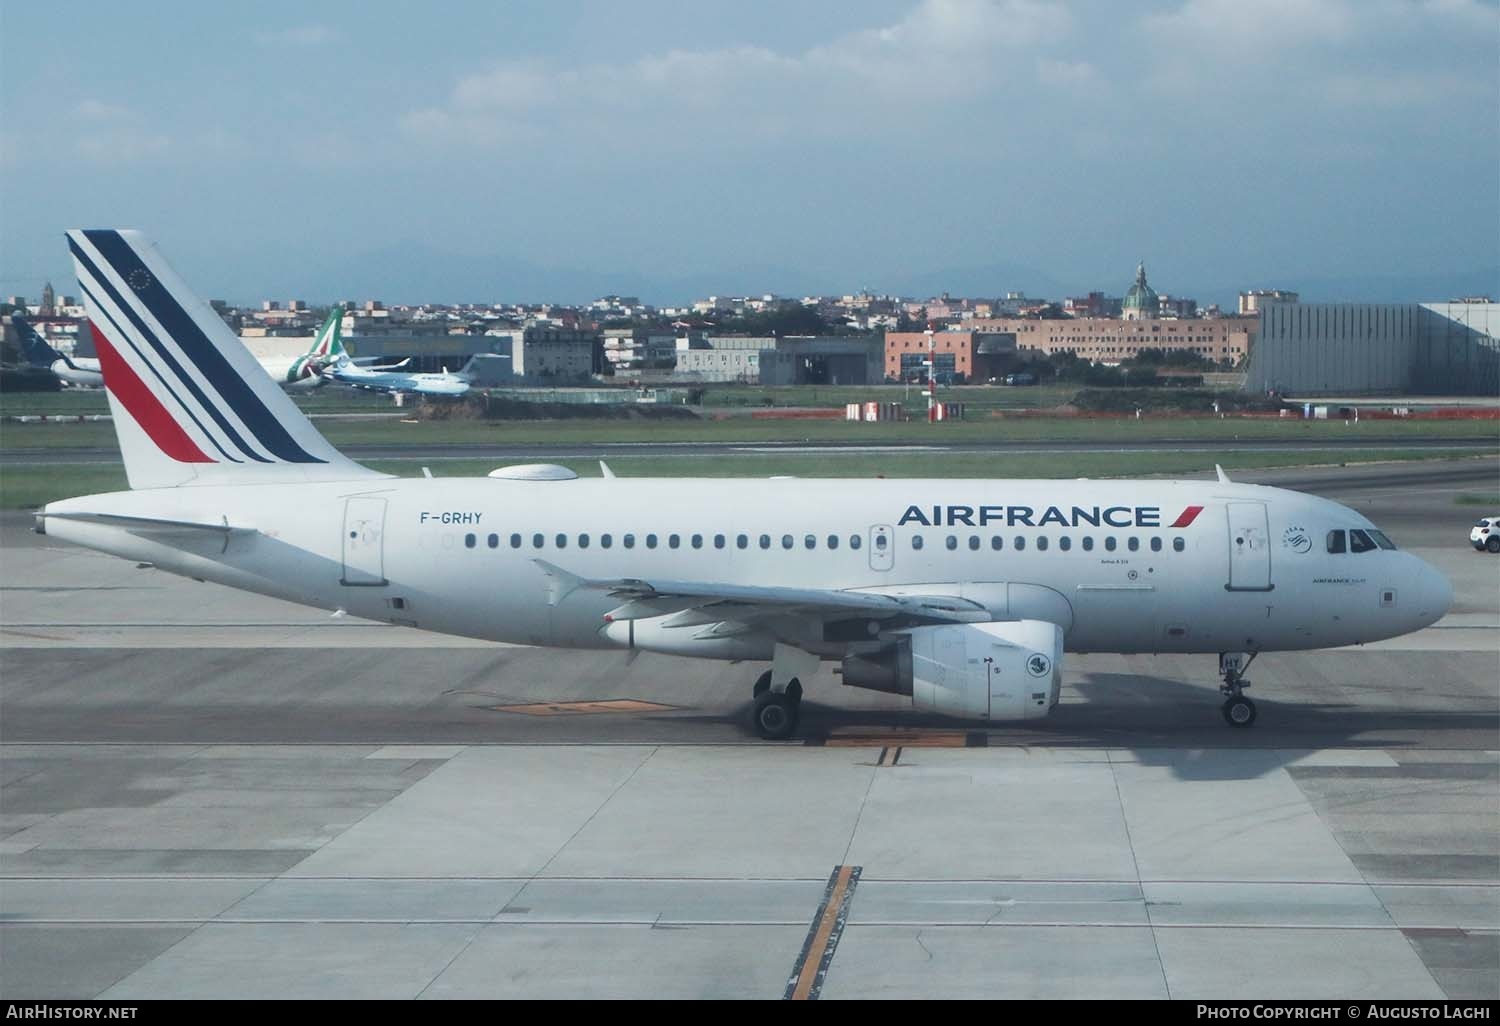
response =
{"points": [[1141, 299]]}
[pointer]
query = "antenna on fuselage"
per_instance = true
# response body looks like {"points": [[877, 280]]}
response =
{"points": [[604, 470], [1223, 477]]}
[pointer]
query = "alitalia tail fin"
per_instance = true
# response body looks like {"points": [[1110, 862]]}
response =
{"points": [[191, 405]]}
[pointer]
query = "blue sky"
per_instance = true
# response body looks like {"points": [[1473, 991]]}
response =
{"points": [[327, 150]]}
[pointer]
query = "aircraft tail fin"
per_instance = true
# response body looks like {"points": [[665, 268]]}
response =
{"points": [[36, 349], [191, 405]]}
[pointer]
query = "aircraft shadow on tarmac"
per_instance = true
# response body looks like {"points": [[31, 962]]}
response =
{"points": [[1167, 723]]}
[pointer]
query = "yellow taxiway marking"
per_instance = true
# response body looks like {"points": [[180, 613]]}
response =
{"points": [[819, 948], [613, 705], [901, 738]]}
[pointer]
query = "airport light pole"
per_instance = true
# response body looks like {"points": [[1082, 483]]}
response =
{"points": [[931, 376]]}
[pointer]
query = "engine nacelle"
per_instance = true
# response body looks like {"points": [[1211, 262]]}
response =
{"points": [[1009, 670]]}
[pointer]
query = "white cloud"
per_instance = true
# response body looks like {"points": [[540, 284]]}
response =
{"points": [[300, 35], [942, 52], [98, 110], [1375, 53], [111, 134]]}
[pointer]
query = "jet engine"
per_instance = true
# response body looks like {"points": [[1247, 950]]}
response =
{"points": [[1008, 670]]}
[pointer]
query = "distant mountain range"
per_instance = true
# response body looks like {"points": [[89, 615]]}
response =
{"points": [[410, 272]]}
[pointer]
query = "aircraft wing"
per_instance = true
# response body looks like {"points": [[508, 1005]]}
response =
{"points": [[708, 602]]}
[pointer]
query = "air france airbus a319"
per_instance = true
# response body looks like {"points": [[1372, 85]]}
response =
{"points": [[963, 595]]}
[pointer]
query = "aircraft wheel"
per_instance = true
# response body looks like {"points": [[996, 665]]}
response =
{"points": [[762, 684], [1492, 545], [775, 716], [1239, 711]]}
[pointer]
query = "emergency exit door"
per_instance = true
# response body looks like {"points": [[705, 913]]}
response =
{"points": [[882, 548]]}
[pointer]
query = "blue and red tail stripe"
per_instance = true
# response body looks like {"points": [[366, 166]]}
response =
{"points": [[147, 411], [232, 390]]}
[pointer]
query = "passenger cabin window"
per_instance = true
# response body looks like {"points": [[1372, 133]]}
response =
{"points": [[951, 542], [1133, 544], [1109, 544], [1020, 543], [765, 541], [515, 541], [786, 541], [538, 540], [973, 543], [916, 541], [1041, 543], [1178, 545], [605, 541], [562, 541], [718, 541], [1359, 541], [1335, 541], [493, 541], [742, 541], [854, 541], [629, 541], [810, 542], [833, 541], [673, 541], [996, 542], [697, 541], [650, 541], [1155, 544], [469, 541], [1088, 543], [583, 541], [1065, 543]]}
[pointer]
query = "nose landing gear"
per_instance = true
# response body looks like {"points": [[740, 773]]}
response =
{"points": [[1238, 710]]}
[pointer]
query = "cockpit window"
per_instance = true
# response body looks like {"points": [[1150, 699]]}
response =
{"points": [[1335, 541], [1359, 541], [1382, 540]]}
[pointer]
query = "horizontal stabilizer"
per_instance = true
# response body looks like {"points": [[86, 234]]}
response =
{"points": [[152, 525]]}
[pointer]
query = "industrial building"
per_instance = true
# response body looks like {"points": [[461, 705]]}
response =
{"points": [[795, 360], [956, 355], [1377, 348]]}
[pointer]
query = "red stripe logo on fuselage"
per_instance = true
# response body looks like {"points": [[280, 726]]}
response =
{"points": [[1188, 516]]}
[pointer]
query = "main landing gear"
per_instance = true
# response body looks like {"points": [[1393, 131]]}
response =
{"points": [[1238, 710], [776, 712]]}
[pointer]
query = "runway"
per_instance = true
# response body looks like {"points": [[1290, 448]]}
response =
{"points": [[208, 794]]}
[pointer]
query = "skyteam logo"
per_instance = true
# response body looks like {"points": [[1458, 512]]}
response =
{"points": [[1296, 539], [1028, 516]]}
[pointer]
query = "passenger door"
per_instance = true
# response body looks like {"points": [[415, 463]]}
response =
{"points": [[364, 541], [1249, 547]]}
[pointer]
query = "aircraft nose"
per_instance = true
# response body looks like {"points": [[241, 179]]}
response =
{"points": [[1434, 594]]}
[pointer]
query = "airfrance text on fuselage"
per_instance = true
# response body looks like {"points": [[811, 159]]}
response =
{"points": [[1027, 516]]}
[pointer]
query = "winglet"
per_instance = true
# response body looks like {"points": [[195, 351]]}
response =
{"points": [[1223, 477], [604, 469]]}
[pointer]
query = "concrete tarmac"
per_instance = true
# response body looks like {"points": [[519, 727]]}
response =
{"points": [[209, 794]]}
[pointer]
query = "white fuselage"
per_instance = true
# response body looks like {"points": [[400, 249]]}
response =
{"points": [[396, 381], [84, 373], [1250, 572]]}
